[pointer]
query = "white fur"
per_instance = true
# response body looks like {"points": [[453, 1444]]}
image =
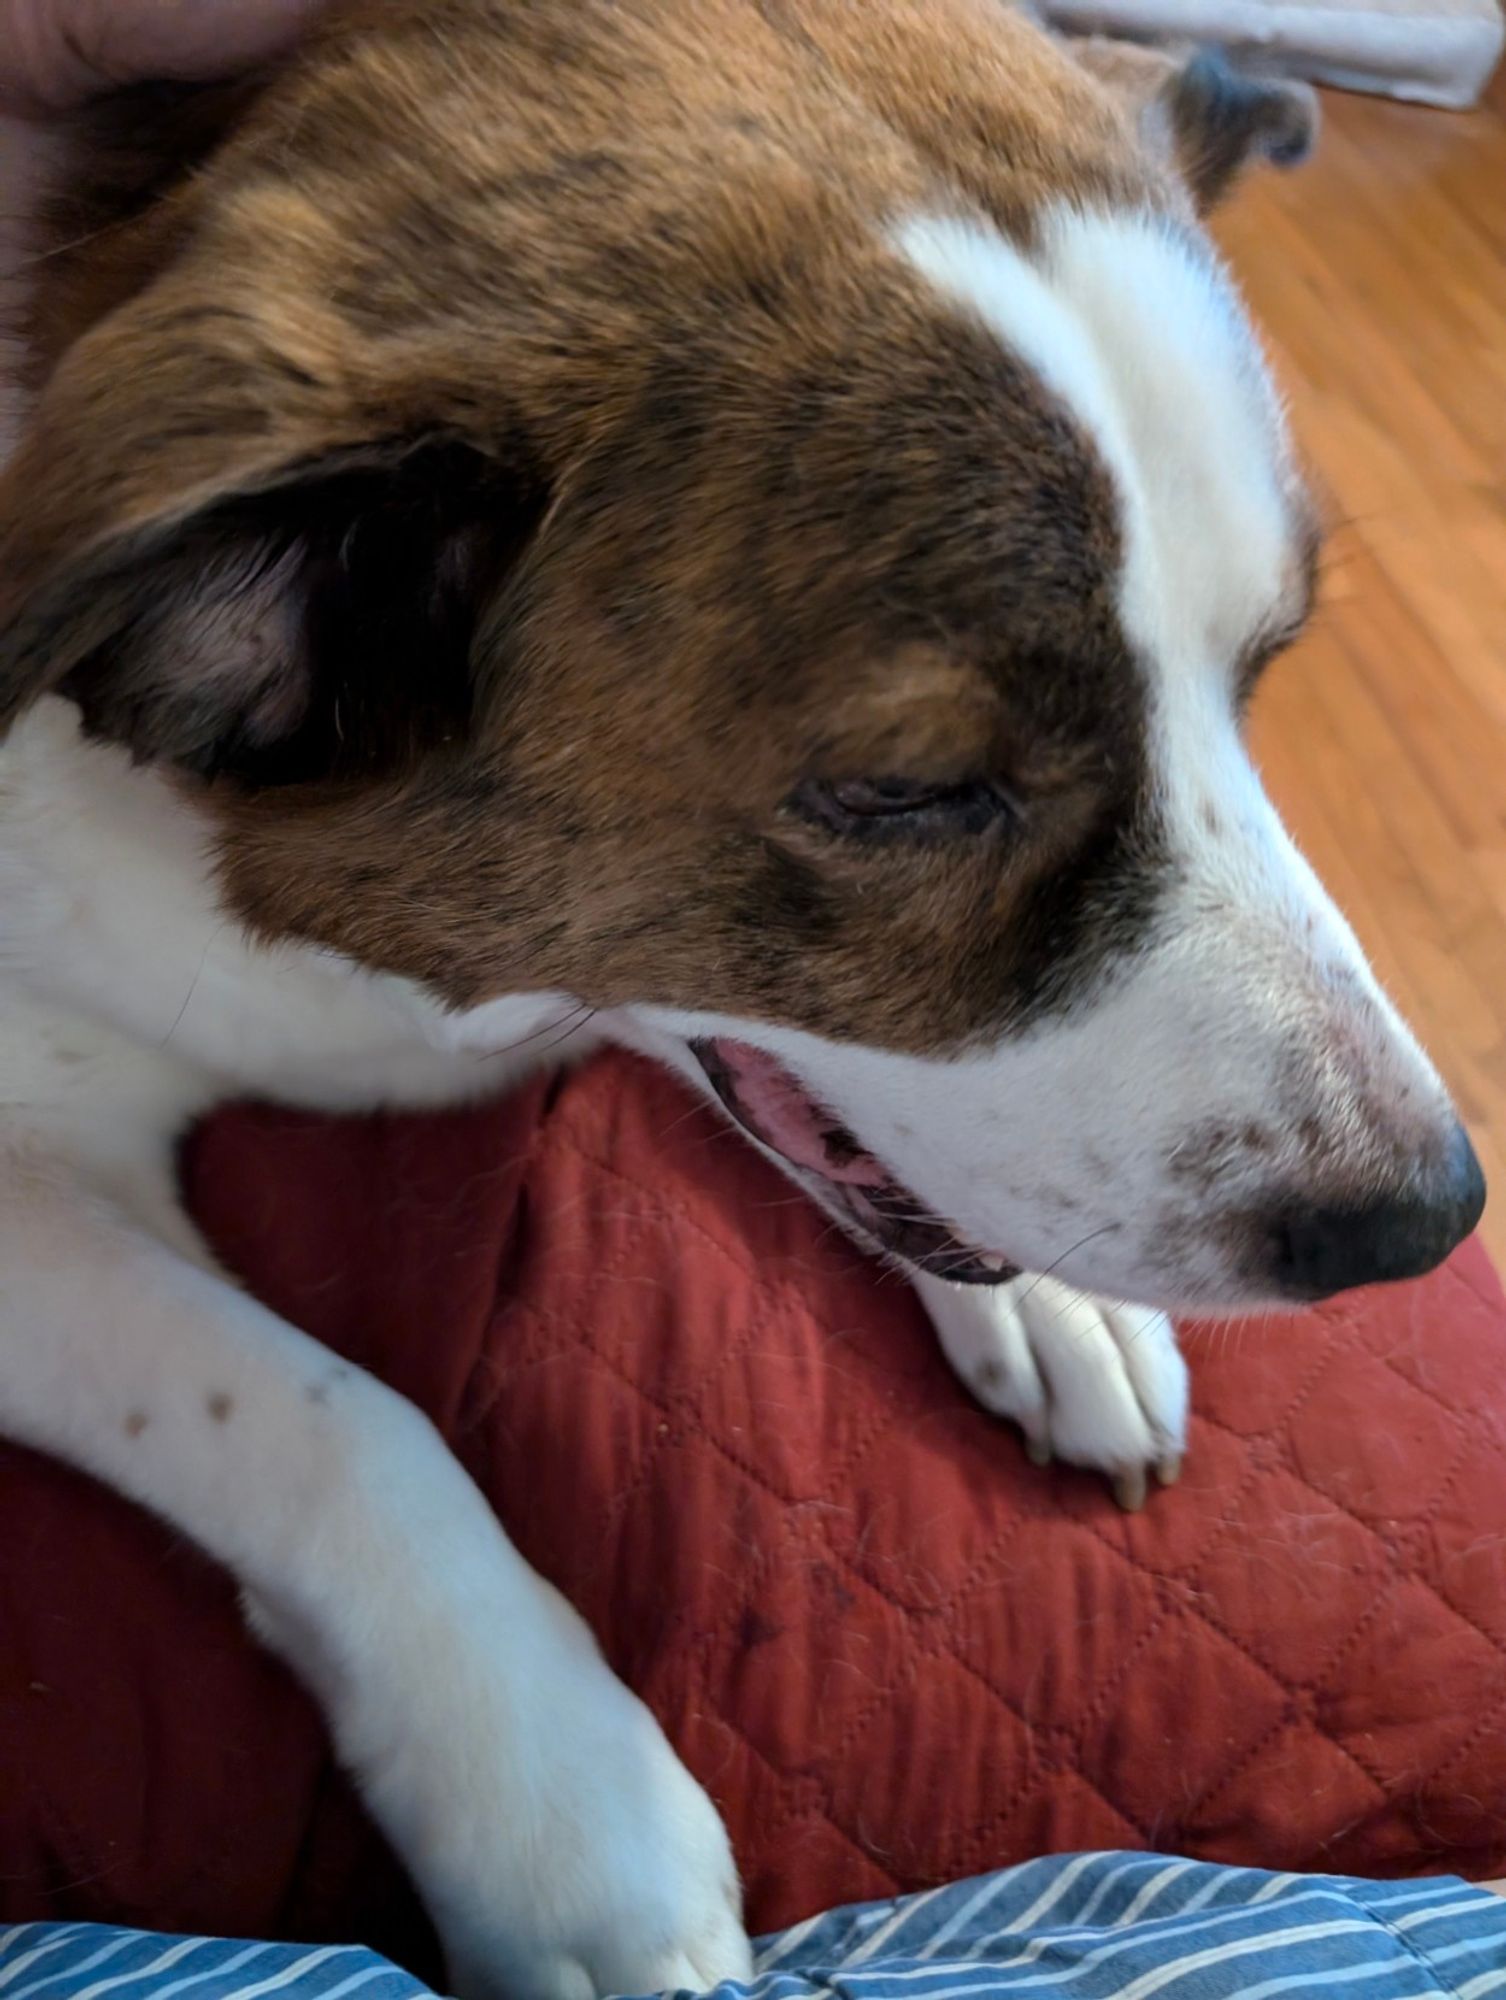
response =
{"points": [[1137, 330], [561, 1847], [559, 1844]]}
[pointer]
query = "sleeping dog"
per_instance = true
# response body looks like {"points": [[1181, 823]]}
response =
{"points": [[744, 528]]}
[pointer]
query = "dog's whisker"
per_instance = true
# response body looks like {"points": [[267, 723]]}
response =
{"points": [[572, 1023], [1072, 1249]]}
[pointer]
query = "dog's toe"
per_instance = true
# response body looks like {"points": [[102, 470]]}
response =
{"points": [[1088, 1380]]}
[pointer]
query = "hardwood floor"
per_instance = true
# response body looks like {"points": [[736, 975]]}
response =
{"points": [[1379, 273]]}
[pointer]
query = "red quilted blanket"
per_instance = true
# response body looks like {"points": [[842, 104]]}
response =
{"points": [[893, 1650]]}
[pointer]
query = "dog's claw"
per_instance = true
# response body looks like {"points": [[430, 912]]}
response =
{"points": [[1169, 1469], [1129, 1489], [1037, 1450]]}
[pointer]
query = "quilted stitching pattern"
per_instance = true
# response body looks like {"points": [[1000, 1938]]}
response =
{"points": [[899, 1652], [893, 1650]]}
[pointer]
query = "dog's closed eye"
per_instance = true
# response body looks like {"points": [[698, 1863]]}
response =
{"points": [[894, 808]]}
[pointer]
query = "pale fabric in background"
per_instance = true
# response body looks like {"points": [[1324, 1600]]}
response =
{"points": [[1431, 51]]}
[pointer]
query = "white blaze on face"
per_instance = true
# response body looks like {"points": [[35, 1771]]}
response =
{"points": [[1244, 1053], [1135, 328]]}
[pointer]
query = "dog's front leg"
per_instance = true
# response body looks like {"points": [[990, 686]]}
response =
{"points": [[562, 1848], [1089, 1380]]}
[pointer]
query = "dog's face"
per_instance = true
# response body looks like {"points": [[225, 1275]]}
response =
{"points": [[777, 550]]}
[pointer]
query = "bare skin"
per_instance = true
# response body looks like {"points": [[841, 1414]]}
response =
{"points": [[56, 54]]}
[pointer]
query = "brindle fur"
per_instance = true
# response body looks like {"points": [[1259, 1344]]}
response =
{"points": [[506, 461]]}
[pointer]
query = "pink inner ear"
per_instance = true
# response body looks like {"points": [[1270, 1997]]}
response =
{"points": [[782, 1113]]}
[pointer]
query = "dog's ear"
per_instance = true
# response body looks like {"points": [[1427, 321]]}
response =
{"points": [[1219, 120], [1209, 119], [235, 561]]}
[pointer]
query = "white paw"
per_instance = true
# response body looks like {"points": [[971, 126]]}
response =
{"points": [[1089, 1380], [562, 1849], [614, 1875]]}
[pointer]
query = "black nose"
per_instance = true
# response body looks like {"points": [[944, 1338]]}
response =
{"points": [[1320, 1251]]}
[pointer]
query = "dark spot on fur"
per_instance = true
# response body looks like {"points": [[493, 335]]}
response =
{"points": [[1207, 1151], [135, 1423], [319, 1392], [220, 1406], [1057, 1200]]}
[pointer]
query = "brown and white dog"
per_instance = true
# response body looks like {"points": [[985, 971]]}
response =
{"points": [[740, 527]]}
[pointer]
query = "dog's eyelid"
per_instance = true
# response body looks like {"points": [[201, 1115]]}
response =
{"points": [[899, 809]]}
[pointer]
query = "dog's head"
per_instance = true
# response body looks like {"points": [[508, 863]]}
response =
{"points": [[764, 519]]}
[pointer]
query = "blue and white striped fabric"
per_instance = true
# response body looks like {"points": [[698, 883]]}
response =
{"points": [[1073, 1927], [1129, 1926], [88, 1961]]}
